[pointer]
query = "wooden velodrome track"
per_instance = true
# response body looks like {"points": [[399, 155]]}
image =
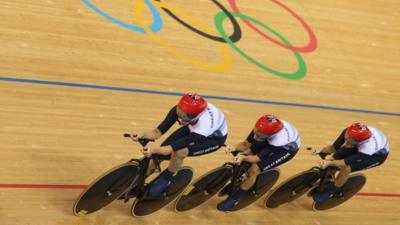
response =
{"points": [[72, 81]]}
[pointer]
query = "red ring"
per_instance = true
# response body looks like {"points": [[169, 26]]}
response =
{"points": [[311, 46]]}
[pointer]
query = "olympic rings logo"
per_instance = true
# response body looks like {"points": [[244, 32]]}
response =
{"points": [[222, 39]]}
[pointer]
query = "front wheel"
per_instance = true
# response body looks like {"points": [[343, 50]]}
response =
{"points": [[265, 180], [106, 188], [203, 188], [292, 188]]}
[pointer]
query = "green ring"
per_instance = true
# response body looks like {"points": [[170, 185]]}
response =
{"points": [[301, 71]]}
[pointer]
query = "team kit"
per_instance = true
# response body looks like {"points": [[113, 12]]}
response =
{"points": [[252, 172]]}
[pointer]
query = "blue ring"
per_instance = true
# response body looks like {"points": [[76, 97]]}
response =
{"points": [[155, 27]]}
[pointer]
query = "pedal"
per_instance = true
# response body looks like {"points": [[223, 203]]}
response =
{"points": [[312, 192], [128, 195], [225, 190], [165, 195], [331, 178], [244, 177], [338, 194], [253, 193]]}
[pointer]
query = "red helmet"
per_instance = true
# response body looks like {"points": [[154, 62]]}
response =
{"points": [[358, 132], [268, 125], [191, 105]]}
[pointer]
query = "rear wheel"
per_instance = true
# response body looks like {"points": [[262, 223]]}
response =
{"points": [[148, 204], [353, 185]]}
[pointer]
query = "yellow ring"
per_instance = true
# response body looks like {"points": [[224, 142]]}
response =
{"points": [[226, 60]]}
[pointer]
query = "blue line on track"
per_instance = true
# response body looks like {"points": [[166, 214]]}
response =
{"points": [[110, 88]]}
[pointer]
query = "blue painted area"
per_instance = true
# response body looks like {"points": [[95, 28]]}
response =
{"points": [[265, 102], [155, 27]]}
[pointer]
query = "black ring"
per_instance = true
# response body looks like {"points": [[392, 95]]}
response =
{"points": [[237, 32]]}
